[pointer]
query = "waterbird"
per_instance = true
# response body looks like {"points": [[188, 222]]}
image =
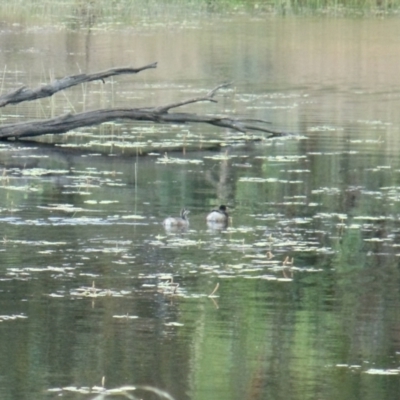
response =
{"points": [[177, 222], [219, 215]]}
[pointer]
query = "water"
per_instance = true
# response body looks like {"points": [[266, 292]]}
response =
{"points": [[307, 299]]}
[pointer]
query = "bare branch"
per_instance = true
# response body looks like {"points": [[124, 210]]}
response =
{"points": [[26, 94], [65, 123], [68, 122], [208, 97]]}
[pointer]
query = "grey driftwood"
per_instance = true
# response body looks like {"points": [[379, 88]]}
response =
{"points": [[25, 94], [160, 114]]}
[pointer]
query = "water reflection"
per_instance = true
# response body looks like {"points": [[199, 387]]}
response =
{"points": [[217, 225], [91, 283]]}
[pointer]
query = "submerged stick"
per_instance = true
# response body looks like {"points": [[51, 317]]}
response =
{"points": [[215, 289]]}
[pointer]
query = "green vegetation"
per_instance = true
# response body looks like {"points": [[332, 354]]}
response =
{"points": [[334, 7], [98, 12]]}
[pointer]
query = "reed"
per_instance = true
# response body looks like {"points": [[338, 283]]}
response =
{"points": [[76, 13], [333, 7]]}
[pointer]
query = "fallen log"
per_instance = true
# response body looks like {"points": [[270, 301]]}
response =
{"points": [[160, 114]]}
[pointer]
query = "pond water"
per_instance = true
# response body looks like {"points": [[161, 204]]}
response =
{"points": [[298, 298]]}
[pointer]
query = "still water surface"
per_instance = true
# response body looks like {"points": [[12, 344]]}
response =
{"points": [[308, 300]]}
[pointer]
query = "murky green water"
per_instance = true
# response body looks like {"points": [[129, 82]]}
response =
{"points": [[92, 286]]}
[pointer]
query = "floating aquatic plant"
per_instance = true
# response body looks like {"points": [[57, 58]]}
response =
{"points": [[173, 324], [103, 393], [125, 316], [12, 317], [171, 160], [95, 292], [376, 371]]}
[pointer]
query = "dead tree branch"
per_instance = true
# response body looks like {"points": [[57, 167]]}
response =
{"points": [[208, 97], [158, 114], [25, 94], [68, 122]]}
